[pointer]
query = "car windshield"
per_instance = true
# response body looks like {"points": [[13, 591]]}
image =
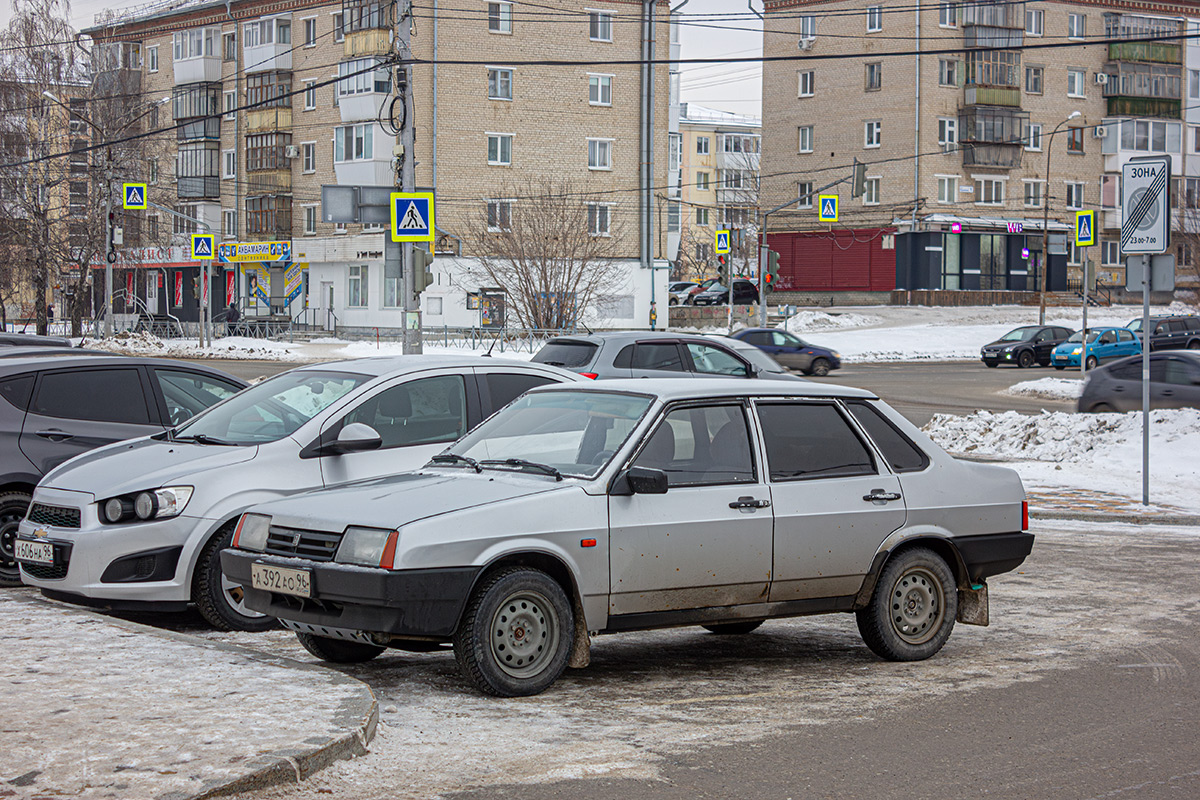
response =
{"points": [[1019, 335], [1135, 325], [1077, 336], [576, 433], [271, 410]]}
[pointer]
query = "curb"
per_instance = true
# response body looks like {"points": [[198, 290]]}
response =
{"points": [[360, 716], [1133, 518]]}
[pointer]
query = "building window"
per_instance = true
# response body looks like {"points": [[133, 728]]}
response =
{"points": [[947, 72], [871, 192], [872, 133], [600, 26], [1034, 21], [353, 142], [180, 225], [267, 151], [499, 83], [874, 79], [806, 139], [989, 191], [874, 19], [948, 15], [739, 144], [1075, 82], [948, 133], [1074, 140], [1074, 196], [600, 90], [310, 220], [310, 95], [194, 43], [701, 145], [1149, 136], [598, 219], [229, 46], [1033, 80], [339, 27], [500, 17], [1033, 194], [356, 81], [228, 164], [702, 181], [701, 216], [808, 27], [499, 150], [1033, 137], [152, 172], [229, 104], [1110, 253], [599, 153], [499, 215], [1076, 26], [357, 287], [947, 189], [152, 59], [673, 216], [806, 84], [269, 89], [283, 31], [308, 152], [228, 224], [310, 32], [804, 194]]}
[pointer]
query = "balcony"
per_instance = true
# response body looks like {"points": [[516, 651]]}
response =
{"points": [[992, 96], [196, 56], [1144, 107], [206, 187], [278, 181], [367, 43], [993, 15], [1158, 52], [267, 45], [269, 216], [278, 118], [992, 136], [362, 95], [195, 107], [1002, 156], [988, 36]]}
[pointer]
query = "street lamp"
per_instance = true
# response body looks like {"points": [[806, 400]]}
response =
{"points": [[1046, 221]]}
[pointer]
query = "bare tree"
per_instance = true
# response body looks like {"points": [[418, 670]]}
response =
{"points": [[696, 260], [552, 250]]}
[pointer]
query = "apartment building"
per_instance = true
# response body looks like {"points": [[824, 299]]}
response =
{"points": [[270, 102], [1008, 114]]}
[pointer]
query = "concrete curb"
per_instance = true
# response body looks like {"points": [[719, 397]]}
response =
{"points": [[359, 717], [1133, 518]]}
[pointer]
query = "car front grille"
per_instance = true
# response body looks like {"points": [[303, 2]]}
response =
{"points": [[55, 516], [45, 572], [296, 543]]}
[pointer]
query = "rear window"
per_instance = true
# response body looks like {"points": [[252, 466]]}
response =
{"points": [[16, 390], [901, 454], [569, 355]]}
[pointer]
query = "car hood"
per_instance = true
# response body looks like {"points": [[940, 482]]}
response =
{"points": [[397, 500], [142, 464], [1000, 343]]}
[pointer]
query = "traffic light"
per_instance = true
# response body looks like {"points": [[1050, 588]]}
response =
{"points": [[771, 271], [723, 269], [422, 260], [859, 184]]}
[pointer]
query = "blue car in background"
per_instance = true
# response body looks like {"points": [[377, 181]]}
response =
{"points": [[791, 351], [1102, 344]]}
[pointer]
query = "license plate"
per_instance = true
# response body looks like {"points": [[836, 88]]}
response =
{"points": [[35, 552], [297, 582]]}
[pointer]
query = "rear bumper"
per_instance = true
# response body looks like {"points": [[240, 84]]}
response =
{"points": [[993, 553]]}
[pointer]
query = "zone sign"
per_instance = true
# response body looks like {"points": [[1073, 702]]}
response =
{"points": [[1145, 214]]}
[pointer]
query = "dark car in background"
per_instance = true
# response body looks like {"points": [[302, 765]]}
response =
{"points": [[52, 409], [791, 351], [690, 294], [744, 292], [1025, 346], [31, 340], [1174, 383], [1170, 333]]}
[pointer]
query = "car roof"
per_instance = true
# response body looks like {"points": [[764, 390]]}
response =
{"points": [[378, 366], [1157, 355], [22, 351], [32, 362], [29, 339], [671, 389], [632, 336]]}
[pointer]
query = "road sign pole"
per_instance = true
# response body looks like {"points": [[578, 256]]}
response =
{"points": [[411, 302], [1145, 380], [1086, 269], [762, 286]]}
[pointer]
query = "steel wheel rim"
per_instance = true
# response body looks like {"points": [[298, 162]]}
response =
{"points": [[917, 606], [235, 596], [523, 636], [9, 522]]}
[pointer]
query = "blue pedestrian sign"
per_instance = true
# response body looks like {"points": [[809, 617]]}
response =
{"points": [[204, 246], [1085, 228], [722, 242], [134, 195], [827, 208], [412, 217]]}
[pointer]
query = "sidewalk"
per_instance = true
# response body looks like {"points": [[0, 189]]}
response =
{"points": [[1062, 502], [95, 707]]}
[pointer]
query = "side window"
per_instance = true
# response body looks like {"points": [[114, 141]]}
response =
{"points": [[701, 445], [1108, 337], [1158, 370], [1180, 373], [811, 440], [780, 339], [757, 338], [504, 387], [16, 390], [901, 454], [715, 361], [653, 355], [624, 358], [189, 393], [1063, 333], [102, 395], [1126, 336], [1044, 336], [1128, 372], [1178, 326], [423, 411]]}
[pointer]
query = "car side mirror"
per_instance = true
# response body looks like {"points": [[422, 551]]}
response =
{"points": [[644, 480], [356, 437], [752, 371]]}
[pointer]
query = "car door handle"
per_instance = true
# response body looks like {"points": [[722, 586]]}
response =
{"points": [[878, 495], [750, 502], [1167, 393], [55, 435]]}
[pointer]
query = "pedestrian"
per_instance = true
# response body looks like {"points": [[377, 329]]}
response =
{"points": [[232, 318]]}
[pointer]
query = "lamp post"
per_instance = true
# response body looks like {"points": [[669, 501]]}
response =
{"points": [[1046, 222]]}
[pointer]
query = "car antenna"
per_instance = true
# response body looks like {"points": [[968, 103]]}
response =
{"points": [[586, 328], [488, 354]]}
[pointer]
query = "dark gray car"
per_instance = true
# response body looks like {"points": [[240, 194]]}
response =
{"points": [[1174, 383], [52, 409]]}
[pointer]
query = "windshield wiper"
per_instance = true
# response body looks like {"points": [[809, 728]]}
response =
{"points": [[455, 458], [204, 438], [545, 469]]}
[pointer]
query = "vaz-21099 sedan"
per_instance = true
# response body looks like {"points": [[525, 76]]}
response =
{"points": [[637, 504]]}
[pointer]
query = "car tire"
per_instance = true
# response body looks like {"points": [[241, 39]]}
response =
{"points": [[1102, 408], [216, 597], [991, 366], [1194, 344], [338, 651], [912, 611], [733, 628], [672, 302], [819, 367], [1060, 366], [13, 507], [1025, 359], [1092, 362], [516, 634]]}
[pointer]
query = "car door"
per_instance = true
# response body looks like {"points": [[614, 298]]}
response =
{"points": [[790, 352], [415, 416], [1043, 343], [658, 359], [834, 502], [1128, 344], [1105, 346], [79, 409], [707, 541], [1174, 383], [498, 387]]}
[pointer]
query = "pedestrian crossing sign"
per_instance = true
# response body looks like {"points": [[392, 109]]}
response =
{"points": [[204, 246], [412, 217], [722, 242], [827, 208], [134, 195], [1085, 228]]}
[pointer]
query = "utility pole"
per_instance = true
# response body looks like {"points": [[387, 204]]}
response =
{"points": [[110, 255], [412, 301]]}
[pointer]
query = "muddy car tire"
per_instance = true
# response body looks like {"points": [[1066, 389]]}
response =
{"points": [[820, 367], [733, 628], [912, 612], [338, 651], [217, 598], [13, 507], [516, 634]]}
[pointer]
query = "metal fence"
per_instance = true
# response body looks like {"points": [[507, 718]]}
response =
{"points": [[499, 340]]}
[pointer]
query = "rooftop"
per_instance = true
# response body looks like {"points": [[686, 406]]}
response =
{"points": [[694, 113]]}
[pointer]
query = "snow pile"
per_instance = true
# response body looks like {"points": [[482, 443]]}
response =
{"points": [[805, 321], [141, 343], [1049, 388]]}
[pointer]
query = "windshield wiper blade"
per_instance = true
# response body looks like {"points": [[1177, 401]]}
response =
{"points": [[204, 438], [455, 458], [545, 469]]}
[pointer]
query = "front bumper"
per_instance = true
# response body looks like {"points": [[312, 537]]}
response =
{"points": [[1064, 360], [417, 602], [995, 357]]}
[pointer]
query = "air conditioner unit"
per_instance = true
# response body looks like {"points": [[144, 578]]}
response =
{"points": [[1102, 78], [291, 151], [806, 44], [1100, 131]]}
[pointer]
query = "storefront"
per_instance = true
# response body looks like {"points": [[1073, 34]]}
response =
{"points": [[157, 282]]}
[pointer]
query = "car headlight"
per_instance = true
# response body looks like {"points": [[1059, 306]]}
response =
{"points": [[1077, 351], [168, 501], [251, 533], [837, 355], [368, 547]]}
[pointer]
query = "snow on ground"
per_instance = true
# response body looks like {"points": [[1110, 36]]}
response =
{"points": [[1049, 388], [1092, 451], [231, 347], [807, 321]]}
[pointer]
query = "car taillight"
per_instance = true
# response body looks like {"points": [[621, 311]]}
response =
{"points": [[592, 375], [1024, 515]]}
